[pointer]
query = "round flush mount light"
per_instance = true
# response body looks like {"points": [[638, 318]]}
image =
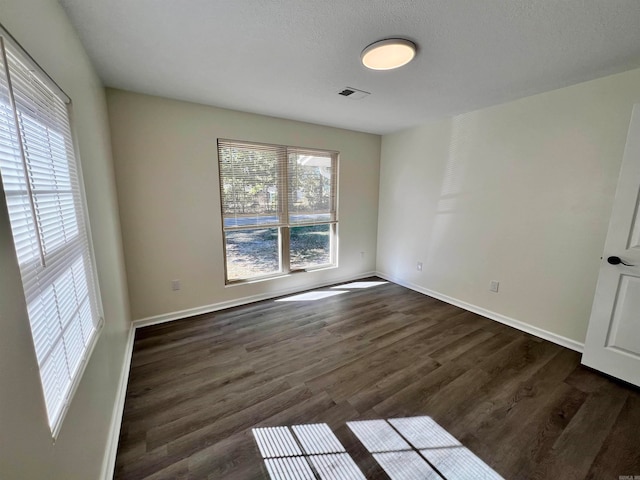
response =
{"points": [[388, 54]]}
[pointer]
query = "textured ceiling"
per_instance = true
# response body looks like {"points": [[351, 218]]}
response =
{"points": [[289, 58]]}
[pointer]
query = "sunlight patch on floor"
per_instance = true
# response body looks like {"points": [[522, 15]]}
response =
{"points": [[359, 285], [310, 296], [405, 448]]}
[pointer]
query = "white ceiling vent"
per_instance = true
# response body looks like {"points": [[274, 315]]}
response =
{"points": [[353, 93]]}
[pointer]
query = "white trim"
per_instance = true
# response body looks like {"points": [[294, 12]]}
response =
{"points": [[109, 462], [512, 322], [214, 307]]}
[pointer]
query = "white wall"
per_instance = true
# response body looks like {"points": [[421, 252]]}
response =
{"points": [[26, 447], [165, 153], [520, 193]]}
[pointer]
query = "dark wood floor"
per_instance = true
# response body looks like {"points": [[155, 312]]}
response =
{"points": [[523, 405]]}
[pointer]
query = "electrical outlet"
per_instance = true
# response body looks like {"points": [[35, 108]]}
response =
{"points": [[175, 285], [494, 286], [419, 266], [362, 255]]}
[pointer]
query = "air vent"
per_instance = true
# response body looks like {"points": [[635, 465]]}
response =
{"points": [[353, 93]]}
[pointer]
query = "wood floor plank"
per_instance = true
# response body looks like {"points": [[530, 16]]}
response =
{"points": [[390, 385], [576, 448], [621, 450], [509, 399], [196, 417], [525, 406]]}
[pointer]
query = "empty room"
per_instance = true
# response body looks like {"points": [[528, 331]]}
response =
{"points": [[290, 240]]}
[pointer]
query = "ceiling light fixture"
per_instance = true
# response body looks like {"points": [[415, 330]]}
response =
{"points": [[388, 54]]}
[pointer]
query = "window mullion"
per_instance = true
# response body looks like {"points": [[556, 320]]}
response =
{"points": [[333, 243], [283, 185], [285, 251]]}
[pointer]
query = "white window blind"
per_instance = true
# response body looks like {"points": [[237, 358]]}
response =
{"points": [[312, 190], [274, 185], [41, 183], [252, 177]]}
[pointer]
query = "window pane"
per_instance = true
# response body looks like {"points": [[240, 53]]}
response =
{"points": [[249, 184], [310, 246], [310, 188], [310, 218], [251, 220], [252, 253]]}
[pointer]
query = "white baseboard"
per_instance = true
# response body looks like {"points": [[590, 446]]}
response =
{"points": [[214, 307], [512, 322], [109, 463]]}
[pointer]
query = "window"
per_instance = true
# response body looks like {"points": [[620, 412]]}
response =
{"points": [[42, 187], [279, 209]]}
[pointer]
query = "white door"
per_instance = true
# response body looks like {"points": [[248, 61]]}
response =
{"points": [[613, 337]]}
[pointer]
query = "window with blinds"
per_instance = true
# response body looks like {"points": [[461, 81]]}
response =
{"points": [[42, 186], [279, 208]]}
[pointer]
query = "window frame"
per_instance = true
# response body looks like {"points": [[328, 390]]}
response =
{"points": [[283, 228], [82, 242]]}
